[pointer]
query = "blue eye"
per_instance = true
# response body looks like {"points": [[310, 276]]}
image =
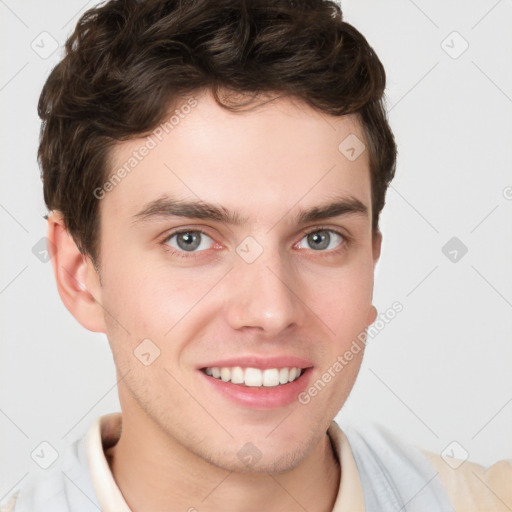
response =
{"points": [[187, 241], [320, 239]]}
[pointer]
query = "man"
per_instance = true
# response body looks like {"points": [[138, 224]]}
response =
{"points": [[215, 173]]}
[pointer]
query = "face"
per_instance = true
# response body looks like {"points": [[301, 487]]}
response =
{"points": [[279, 288]]}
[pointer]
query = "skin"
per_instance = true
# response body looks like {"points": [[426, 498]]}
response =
{"points": [[180, 438]]}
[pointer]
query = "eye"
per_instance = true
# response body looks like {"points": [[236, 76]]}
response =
{"points": [[188, 241], [325, 239]]}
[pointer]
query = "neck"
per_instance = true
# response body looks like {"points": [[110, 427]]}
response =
{"points": [[155, 473]]}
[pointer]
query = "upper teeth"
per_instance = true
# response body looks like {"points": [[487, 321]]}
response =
{"points": [[254, 376]]}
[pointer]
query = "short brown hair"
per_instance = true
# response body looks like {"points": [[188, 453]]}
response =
{"points": [[127, 62]]}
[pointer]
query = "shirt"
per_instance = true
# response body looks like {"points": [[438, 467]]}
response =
{"points": [[379, 473]]}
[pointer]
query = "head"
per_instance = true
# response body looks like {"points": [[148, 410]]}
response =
{"points": [[254, 112]]}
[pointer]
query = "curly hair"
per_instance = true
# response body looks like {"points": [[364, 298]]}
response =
{"points": [[128, 62]]}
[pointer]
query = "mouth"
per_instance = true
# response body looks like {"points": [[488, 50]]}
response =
{"points": [[255, 377], [255, 382]]}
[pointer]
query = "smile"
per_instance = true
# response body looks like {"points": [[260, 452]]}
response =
{"points": [[254, 377]]}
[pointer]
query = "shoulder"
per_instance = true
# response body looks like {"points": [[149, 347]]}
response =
{"points": [[473, 487], [63, 487], [9, 505], [394, 470], [394, 474]]}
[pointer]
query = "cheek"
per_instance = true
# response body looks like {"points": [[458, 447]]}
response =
{"points": [[343, 301], [167, 306], [149, 295]]}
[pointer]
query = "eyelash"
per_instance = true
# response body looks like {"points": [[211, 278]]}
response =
{"points": [[194, 255]]}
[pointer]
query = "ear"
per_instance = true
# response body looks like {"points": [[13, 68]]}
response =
{"points": [[77, 279], [376, 245], [372, 316]]}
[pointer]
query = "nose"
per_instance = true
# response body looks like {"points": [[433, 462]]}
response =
{"points": [[261, 295]]}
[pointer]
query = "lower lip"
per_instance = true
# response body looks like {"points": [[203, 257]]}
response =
{"points": [[264, 397]]}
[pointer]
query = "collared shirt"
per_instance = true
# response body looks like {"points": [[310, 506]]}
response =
{"points": [[107, 431], [379, 473]]}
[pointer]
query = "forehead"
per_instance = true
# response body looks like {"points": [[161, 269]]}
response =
{"points": [[263, 161]]}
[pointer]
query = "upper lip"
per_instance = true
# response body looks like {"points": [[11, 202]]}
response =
{"points": [[260, 362]]}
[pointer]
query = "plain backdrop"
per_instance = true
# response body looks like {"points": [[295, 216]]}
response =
{"points": [[440, 371]]}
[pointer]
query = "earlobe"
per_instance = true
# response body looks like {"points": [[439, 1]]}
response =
{"points": [[78, 287]]}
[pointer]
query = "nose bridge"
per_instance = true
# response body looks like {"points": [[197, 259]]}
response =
{"points": [[260, 292]]}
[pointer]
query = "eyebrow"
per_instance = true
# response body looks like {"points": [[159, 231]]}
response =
{"points": [[166, 206]]}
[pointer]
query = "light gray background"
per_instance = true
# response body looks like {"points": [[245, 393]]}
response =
{"points": [[439, 372]]}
